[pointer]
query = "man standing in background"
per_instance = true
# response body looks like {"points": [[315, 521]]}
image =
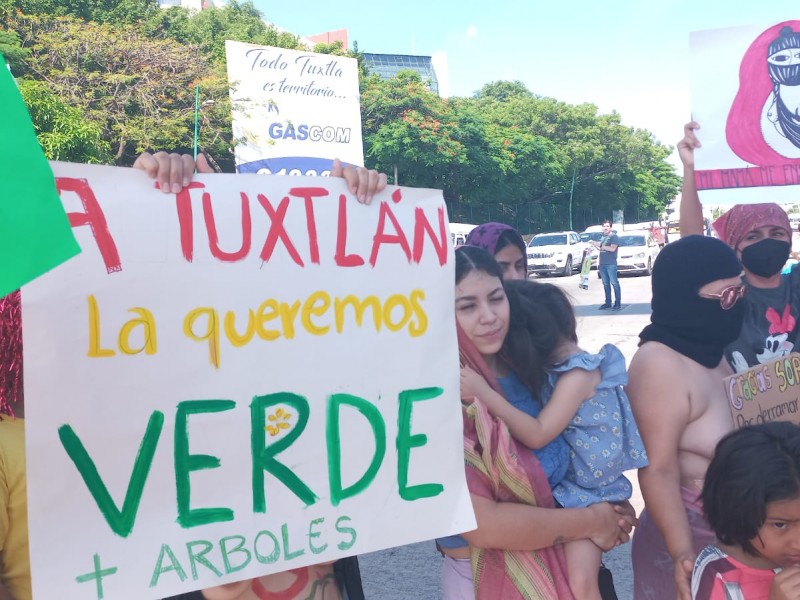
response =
{"points": [[607, 265]]}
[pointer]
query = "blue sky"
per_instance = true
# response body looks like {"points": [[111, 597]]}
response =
{"points": [[624, 55]]}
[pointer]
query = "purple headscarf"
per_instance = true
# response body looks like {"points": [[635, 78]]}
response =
{"points": [[488, 236]]}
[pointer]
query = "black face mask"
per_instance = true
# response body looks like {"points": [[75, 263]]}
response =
{"points": [[766, 258], [694, 326], [715, 325]]}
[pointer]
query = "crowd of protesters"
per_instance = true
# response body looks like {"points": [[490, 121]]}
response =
{"points": [[549, 428]]}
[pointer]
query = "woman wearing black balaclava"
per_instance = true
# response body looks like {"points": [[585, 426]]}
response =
{"points": [[680, 406]]}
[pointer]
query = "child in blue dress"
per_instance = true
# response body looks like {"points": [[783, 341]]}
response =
{"points": [[585, 403]]}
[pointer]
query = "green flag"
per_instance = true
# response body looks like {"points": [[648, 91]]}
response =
{"points": [[35, 234]]}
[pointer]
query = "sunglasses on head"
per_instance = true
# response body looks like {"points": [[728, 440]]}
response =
{"points": [[729, 296]]}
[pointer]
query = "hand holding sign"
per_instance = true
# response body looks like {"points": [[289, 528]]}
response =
{"points": [[362, 182], [172, 172], [688, 144]]}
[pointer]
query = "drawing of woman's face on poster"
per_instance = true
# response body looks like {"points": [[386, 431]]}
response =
{"points": [[784, 71], [763, 125]]}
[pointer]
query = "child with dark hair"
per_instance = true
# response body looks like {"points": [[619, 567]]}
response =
{"points": [[751, 498], [584, 402]]}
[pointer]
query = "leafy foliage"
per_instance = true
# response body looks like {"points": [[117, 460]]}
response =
{"points": [[12, 50], [508, 146], [107, 79], [207, 30], [62, 131]]}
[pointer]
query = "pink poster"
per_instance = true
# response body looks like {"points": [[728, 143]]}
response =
{"points": [[746, 97]]}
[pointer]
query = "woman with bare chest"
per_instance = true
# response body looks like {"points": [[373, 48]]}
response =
{"points": [[680, 405]]}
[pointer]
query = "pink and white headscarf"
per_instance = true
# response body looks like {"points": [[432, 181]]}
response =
{"points": [[740, 220]]}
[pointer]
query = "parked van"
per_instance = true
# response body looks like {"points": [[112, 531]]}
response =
{"points": [[459, 233]]}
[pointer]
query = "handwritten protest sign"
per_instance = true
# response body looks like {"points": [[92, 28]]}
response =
{"points": [[768, 392], [34, 232], [250, 376], [293, 112], [745, 98]]}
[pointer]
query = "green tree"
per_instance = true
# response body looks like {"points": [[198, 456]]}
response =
{"points": [[237, 21], [63, 131], [102, 11], [12, 50], [503, 90], [614, 167], [409, 128], [130, 70], [139, 91]]}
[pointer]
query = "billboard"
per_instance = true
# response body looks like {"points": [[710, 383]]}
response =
{"points": [[293, 111]]}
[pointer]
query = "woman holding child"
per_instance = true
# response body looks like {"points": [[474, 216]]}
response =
{"points": [[517, 550]]}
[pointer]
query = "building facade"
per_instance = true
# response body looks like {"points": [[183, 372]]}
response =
{"points": [[190, 4], [387, 66]]}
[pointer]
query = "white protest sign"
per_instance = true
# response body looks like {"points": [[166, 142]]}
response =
{"points": [[293, 112], [746, 96], [251, 376]]}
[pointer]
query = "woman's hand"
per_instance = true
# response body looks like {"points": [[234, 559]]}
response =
{"points": [[613, 525], [688, 144], [684, 563], [786, 584], [473, 384], [627, 520], [173, 172], [362, 182]]}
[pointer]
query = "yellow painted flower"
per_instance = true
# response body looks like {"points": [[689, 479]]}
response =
{"points": [[279, 418]]}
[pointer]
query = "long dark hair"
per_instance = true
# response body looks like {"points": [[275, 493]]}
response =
{"points": [[555, 302], [533, 334], [473, 258]]}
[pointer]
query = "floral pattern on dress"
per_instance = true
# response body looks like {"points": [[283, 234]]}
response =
{"points": [[603, 436]]}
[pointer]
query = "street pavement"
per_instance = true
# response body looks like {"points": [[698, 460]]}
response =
{"points": [[413, 571]]}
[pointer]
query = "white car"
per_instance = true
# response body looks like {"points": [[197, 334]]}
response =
{"points": [[459, 233], [559, 252], [636, 252]]}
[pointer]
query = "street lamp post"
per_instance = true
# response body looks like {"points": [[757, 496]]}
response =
{"points": [[196, 117], [197, 107], [571, 189]]}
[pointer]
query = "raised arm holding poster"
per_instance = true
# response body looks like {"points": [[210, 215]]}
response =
{"points": [[293, 112], [251, 376], [746, 95]]}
